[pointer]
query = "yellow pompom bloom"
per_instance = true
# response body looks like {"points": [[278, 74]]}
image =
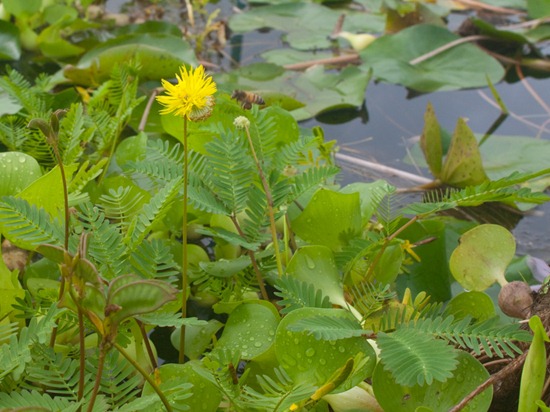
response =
{"points": [[191, 97]]}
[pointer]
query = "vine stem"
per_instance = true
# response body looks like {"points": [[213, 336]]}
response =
{"points": [[269, 205], [146, 375], [184, 263]]}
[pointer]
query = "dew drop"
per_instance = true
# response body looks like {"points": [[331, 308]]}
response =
{"points": [[22, 159], [341, 349], [322, 361], [310, 263], [258, 344], [310, 352]]}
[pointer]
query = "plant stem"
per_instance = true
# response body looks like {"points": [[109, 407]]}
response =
{"points": [[82, 354], [147, 344], [250, 254], [184, 279], [67, 223], [370, 272], [269, 205], [147, 376], [100, 364]]}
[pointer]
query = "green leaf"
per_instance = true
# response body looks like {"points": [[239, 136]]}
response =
{"points": [[430, 141], [538, 9], [482, 257], [392, 56], [47, 191], [250, 329], [185, 388], [439, 396], [161, 56], [315, 265], [307, 359], [197, 337], [298, 294], [463, 165], [370, 194], [477, 305], [534, 369], [18, 171], [10, 46], [330, 219], [138, 297], [414, 358]]}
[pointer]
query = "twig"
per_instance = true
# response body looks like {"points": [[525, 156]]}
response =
{"points": [[507, 370], [484, 6], [147, 110], [383, 169], [446, 47], [531, 91], [352, 58]]}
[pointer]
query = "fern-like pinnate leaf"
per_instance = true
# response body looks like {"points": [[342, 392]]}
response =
{"points": [[35, 401], [489, 336], [414, 358], [26, 225], [278, 394], [73, 134], [230, 170], [154, 259], [119, 381], [312, 179], [105, 245], [16, 353], [369, 298], [121, 204], [502, 190], [297, 294], [152, 212], [328, 328]]}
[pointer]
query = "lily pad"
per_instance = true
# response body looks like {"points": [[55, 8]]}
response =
{"points": [[307, 25], [392, 58], [482, 257], [317, 90], [163, 54]]}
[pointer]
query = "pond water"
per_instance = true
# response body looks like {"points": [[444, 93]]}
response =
{"points": [[391, 120]]}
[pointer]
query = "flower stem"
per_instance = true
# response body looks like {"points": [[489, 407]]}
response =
{"points": [[269, 205], [100, 364], [147, 376], [184, 263]]}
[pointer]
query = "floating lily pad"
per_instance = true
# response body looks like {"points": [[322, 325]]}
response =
{"points": [[482, 257], [161, 53], [307, 25], [18, 171], [392, 59]]}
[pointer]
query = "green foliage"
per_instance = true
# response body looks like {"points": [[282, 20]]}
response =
{"points": [[299, 294]]}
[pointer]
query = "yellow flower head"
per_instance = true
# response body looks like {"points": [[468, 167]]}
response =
{"points": [[191, 97]]}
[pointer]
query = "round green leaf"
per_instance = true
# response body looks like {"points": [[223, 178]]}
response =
{"points": [[18, 171], [250, 329], [197, 337], [439, 396], [315, 361], [204, 395], [478, 305], [482, 257], [329, 219], [392, 59]]}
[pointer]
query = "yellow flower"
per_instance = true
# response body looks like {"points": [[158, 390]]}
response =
{"points": [[191, 97]]}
